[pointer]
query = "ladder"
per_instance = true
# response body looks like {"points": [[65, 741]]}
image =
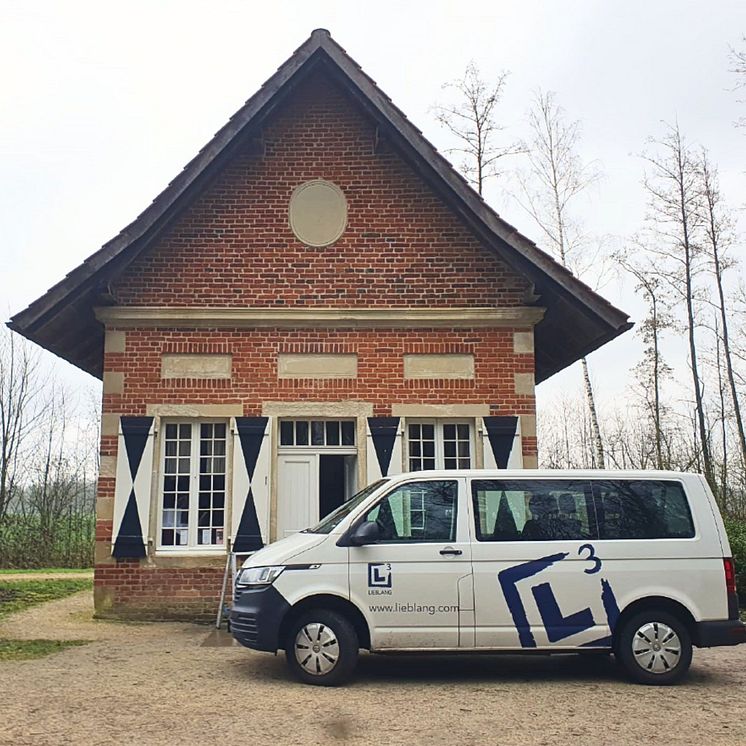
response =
{"points": [[231, 567]]}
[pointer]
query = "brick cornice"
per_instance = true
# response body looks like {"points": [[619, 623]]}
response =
{"points": [[189, 317]]}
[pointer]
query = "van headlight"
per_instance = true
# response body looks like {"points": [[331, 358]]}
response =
{"points": [[259, 575]]}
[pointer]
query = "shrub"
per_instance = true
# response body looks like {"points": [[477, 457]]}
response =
{"points": [[27, 542], [736, 529]]}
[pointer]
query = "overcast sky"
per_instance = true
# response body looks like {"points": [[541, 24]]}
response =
{"points": [[101, 104]]}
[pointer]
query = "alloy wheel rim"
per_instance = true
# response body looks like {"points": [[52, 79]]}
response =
{"points": [[656, 647], [316, 648]]}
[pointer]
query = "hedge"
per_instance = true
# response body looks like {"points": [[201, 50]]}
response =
{"points": [[736, 529]]}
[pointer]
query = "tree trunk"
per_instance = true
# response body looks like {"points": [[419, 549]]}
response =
{"points": [[717, 227], [723, 420], [718, 272], [598, 447], [689, 298], [656, 384]]}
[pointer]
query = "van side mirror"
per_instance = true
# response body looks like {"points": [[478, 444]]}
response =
{"points": [[366, 533]]}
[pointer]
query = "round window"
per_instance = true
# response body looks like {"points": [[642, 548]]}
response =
{"points": [[318, 213]]}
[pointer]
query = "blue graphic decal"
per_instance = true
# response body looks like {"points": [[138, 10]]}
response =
{"points": [[508, 579], [610, 605], [591, 556], [559, 627], [612, 617]]}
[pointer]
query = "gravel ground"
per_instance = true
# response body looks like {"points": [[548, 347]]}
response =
{"points": [[159, 684]]}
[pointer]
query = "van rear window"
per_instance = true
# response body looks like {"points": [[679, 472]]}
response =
{"points": [[567, 509], [642, 509]]}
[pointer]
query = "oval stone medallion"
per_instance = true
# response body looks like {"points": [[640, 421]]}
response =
{"points": [[318, 213]]}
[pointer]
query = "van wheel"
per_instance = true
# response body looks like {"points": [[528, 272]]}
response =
{"points": [[322, 648], [654, 647]]}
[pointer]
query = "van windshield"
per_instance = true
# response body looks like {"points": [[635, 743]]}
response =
{"points": [[330, 522]]}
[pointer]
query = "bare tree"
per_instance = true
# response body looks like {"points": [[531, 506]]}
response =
{"points": [[719, 238], [738, 60], [723, 418], [652, 369], [47, 460], [59, 471], [556, 177], [472, 119], [20, 409], [675, 218]]}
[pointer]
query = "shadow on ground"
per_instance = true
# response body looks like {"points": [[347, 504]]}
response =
{"points": [[489, 669]]}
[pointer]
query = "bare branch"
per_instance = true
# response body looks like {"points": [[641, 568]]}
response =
{"points": [[473, 121]]}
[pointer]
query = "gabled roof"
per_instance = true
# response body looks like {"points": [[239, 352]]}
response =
{"points": [[577, 319]]}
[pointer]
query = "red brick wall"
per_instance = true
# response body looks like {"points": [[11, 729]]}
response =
{"points": [[380, 378], [402, 245], [140, 592], [402, 248]]}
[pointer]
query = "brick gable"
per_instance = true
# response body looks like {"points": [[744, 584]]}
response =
{"points": [[402, 247]]}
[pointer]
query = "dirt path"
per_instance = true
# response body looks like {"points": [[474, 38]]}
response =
{"points": [[157, 684], [82, 575]]}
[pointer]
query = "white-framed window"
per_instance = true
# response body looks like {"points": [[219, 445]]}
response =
{"points": [[193, 483], [439, 444], [317, 433]]}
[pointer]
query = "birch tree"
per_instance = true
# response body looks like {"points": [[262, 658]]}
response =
{"points": [[652, 370], [719, 239], [675, 208], [472, 120], [549, 189]]}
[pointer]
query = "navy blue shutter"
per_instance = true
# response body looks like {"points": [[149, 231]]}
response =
{"points": [[383, 432], [501, 435]]}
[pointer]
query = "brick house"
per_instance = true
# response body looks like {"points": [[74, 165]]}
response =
{"points": [[317, 299]]}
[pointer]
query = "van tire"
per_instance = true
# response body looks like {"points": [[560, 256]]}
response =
{"points": [[642, 651], [325, 635]]}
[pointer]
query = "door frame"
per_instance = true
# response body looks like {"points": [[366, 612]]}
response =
{"points": [[314, 452]]}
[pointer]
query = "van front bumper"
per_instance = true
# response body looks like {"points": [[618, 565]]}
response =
{"points": [[715, 634], [256, 617]]}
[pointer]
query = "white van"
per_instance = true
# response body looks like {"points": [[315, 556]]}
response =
{"points": [[634, 563]]}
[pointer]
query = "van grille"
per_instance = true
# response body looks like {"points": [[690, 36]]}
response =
{"points": [[244, 625]]}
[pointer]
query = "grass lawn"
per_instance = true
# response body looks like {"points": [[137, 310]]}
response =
{"points": [[40, 570], [18, 595], [23, 650]]}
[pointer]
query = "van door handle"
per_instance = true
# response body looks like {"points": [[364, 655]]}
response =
{"points": [[450, 551]]}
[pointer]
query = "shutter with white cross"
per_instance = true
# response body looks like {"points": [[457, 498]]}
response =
{"points": [[251, 488]]}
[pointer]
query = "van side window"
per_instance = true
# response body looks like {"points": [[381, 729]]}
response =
{"points": [[417, 512], [532, 510], [642, 509]]}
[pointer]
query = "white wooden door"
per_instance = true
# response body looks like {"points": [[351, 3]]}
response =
{"points": [[297, 493]]}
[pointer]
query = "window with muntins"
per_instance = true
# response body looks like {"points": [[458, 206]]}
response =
{"points": [[193, 485], [317, 433], [438, 444]]}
